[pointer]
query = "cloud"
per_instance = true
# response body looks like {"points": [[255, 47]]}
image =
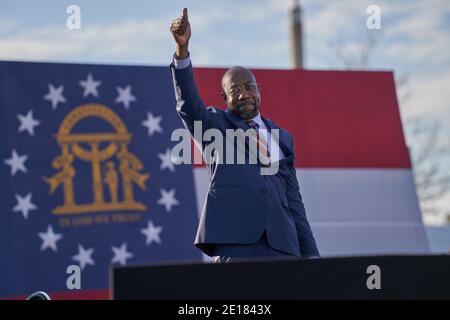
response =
{"points": [[218, 36], [122, 39], [420, 34], [431, 95]]}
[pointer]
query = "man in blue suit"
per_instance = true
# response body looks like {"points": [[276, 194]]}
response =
{"points": [[246, 214]]}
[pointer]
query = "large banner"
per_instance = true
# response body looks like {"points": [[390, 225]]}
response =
{"points": [[86, 174], [87, 177]]}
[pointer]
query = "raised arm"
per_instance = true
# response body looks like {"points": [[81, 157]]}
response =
{"points": [[181, 32], [190, 107]]}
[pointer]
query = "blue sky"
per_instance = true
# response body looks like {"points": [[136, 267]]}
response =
{"points": [[414, 41]]}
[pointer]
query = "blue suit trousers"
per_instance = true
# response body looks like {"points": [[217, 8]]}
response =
{"points": [[260, 250]]}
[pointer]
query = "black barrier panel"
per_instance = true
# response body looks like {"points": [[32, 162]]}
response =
{"points": [[371, 277]]}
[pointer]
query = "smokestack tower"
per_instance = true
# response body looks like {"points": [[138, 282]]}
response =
{"points": [[296, 36]]}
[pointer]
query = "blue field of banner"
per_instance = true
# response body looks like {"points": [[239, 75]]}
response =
{"points": [[86, 174]]}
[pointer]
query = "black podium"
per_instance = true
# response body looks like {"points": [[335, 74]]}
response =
{"points": [[401, 277]]}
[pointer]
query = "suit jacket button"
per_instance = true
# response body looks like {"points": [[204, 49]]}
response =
{"points": [[264, 190]]}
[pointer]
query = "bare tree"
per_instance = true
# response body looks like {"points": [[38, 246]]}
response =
{"points": [[428, 155], [359, 59]]}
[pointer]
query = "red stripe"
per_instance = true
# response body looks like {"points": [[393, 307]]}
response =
{"points": [[337, 118], [102, 294]]}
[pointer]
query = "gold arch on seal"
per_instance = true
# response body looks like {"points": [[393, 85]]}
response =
{"points": [[102, 161]]}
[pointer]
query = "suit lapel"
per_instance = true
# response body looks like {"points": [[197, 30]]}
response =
{"points": [[283, 139]]}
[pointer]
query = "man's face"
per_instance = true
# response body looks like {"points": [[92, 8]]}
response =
{"points": [[241, 92]]}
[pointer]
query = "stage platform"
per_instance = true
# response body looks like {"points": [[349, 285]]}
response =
{"points": [[398, 277]]}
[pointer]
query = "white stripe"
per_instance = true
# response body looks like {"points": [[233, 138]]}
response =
{"points": [[356, 211]]}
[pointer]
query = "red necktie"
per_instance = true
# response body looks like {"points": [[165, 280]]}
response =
{"points": [[263, 150]]}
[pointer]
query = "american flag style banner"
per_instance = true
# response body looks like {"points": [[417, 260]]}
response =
{"points": [[87, 176]]}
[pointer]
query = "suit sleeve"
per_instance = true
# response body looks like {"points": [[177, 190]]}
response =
{"points": [[307, 243], [190, 107]]}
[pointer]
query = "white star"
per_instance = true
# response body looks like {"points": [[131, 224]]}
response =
{"points": [[152, 124], [55, 95], [166, 161], [121, 254], [27, 122], [152, 233], [16, 162], [168, 199], [49, 239], [84, 257], [90, 86], [125, 96], [24, 205]]}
